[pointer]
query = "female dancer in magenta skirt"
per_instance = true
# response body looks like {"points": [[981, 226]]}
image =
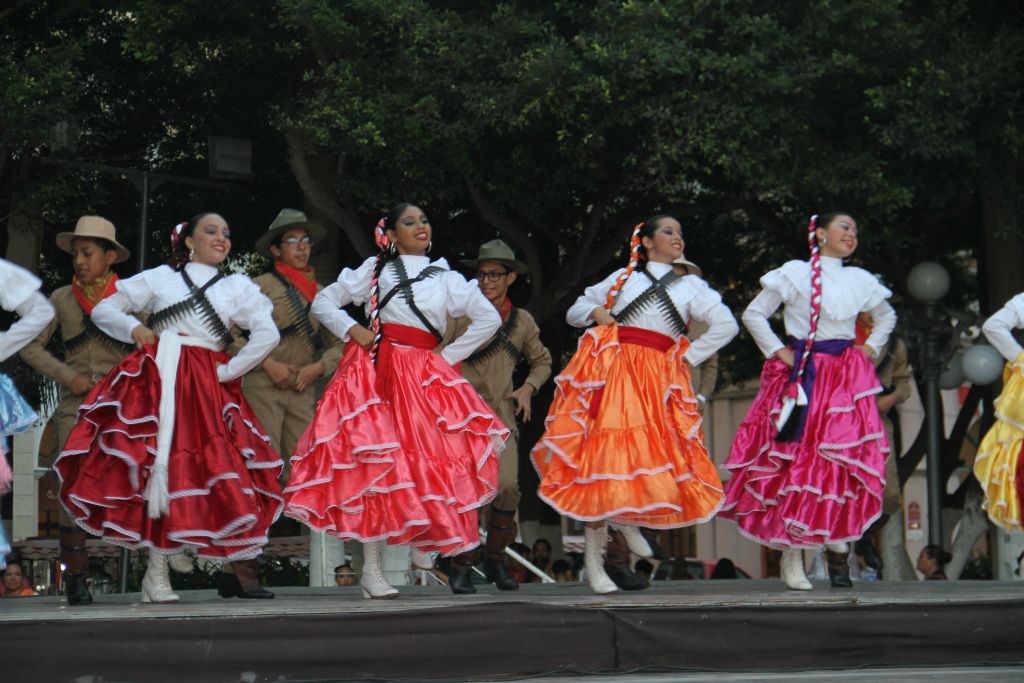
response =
{"points": [[998, 465], [19, 293], [623, 442], [167, 453], [808, 460], [401, 450]]}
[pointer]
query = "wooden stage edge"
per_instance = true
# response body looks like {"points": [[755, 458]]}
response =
{"points": [[333, 634]]}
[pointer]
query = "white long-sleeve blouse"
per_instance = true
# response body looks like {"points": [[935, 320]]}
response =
{"points": [[999, 328], [692, 296], [236, 298], [438, 297], [19, 292], [846, 291]]}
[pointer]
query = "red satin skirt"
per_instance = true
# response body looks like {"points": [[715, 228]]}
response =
{"points": [[404, 451], [826, 487], [222, 472], [623, 439]]}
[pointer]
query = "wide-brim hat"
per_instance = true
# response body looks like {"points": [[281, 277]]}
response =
{"points": [[93, 227], [691, 267], [497, 250], [289, 219]]}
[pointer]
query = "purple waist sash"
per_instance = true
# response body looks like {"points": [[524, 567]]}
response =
{"points": [[794, 428]]}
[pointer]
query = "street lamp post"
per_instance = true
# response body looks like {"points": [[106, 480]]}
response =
{"points": [[928, 282]]}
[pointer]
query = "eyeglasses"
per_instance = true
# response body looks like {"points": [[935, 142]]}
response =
{"points": [[490, 275], [296, 241]]}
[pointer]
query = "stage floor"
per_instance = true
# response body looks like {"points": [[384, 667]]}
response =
{"points": [[677, 595], [681, 627]]}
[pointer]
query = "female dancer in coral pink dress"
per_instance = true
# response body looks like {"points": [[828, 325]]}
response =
{"points": [[808, 459], [402, 449], [167, 453]]}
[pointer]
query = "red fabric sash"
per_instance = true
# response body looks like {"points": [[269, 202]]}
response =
{"points": [[409, 336], [90, 295], [642, 337], [303, 280]]}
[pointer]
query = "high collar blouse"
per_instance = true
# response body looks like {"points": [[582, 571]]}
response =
{"points": [[692, 296], [846, 291], [19, 293], [236, 298], [438, 297], [999, 328]]}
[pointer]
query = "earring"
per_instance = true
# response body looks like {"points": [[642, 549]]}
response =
{"points": [[391, 249], [429, 245], [191, 253], [824, 241]]}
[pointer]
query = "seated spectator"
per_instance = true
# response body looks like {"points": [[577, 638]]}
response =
{"points": [[344, 575], [561, 572], [540, 555], [517, 571], [14, 582], [724, 569], [932, 562], [643, 569]]}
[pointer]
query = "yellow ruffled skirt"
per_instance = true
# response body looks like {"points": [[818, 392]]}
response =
{"points": [[997, 465]]}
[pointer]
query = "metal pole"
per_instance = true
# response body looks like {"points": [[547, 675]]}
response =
{"points": [[143, 220], [126, 555], [934, 420]]}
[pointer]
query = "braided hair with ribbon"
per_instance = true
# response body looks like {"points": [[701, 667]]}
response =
{"points": [[634, 259], [385, 252], [794, 396]]}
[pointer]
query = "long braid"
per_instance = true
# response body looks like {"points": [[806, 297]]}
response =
{"points": [[634, 259], [812, 239], [381, 238]]}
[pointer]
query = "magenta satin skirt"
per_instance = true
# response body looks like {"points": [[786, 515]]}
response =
{"points": [[826, 486]]}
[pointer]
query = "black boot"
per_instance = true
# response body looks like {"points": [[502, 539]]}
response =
{"points": [[460, 580], [244, 583], [616, 563], [75, 558], [839, 569], [501, 530]]}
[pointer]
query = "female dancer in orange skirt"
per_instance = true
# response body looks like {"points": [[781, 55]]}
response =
{"points": [[622, 441], [166, 453], [402, 449]]}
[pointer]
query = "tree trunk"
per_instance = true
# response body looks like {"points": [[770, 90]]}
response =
{"points": [[24, 240], [973, 523]]}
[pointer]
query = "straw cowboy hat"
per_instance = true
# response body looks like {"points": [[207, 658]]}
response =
{"points": [[691, 267], [497, 250], [289, 219], [96, 228]]}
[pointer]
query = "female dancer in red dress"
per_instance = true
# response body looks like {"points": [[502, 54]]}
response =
{"points": [[623, 442], [401, 449], [808, 461], [166, 453]]}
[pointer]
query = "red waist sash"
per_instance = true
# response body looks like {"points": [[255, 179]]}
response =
{"points": [[409, 336], [642, 337]]}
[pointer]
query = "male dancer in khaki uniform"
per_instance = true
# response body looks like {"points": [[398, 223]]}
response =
{"points": [[282, 389], [88, 356], [490, 370]]}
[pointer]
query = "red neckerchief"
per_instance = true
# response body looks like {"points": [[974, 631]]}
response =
{"points": [[90, 295], [863, 332], [505, 309], [303, 280]]}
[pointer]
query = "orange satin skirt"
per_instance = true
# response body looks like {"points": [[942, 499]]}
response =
{"points": [[623, 439]]}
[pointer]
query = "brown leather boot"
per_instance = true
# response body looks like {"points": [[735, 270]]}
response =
{"points": [[460, 580], [616, 563], [839, 569], [75, 558], [244, 583], [501, 530]]}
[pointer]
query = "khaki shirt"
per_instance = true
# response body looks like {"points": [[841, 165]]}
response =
{"points": [[293, 348], [492, 376], [704, 377], [95, 358]]}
